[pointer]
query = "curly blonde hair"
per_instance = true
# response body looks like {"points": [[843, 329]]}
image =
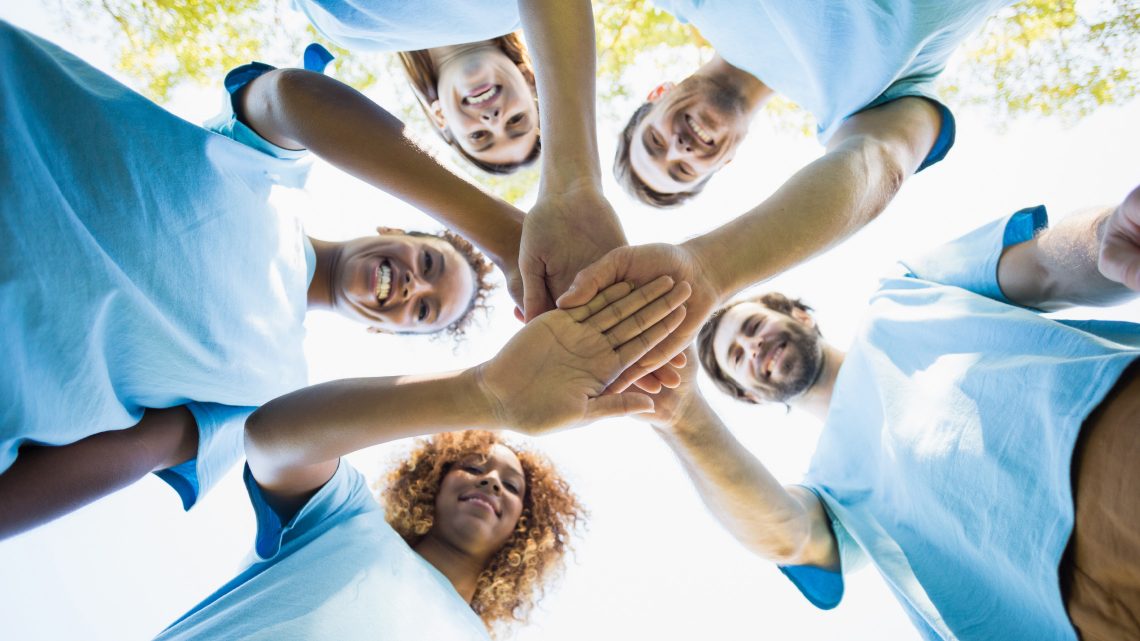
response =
{"points": [[517, 575]]}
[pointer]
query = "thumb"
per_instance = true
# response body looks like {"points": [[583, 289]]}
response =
{"points": [[618, 405], [536, 300], [591, 280]]}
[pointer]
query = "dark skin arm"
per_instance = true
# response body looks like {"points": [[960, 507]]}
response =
{"points": [[299, 109], [46, 483]]}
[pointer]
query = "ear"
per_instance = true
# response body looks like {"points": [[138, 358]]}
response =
{"points": [[804, 317], [435, 114], [390, 231], [659, 90]]}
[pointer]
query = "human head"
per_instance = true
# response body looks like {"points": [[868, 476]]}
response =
{"points": [[679, 138], [763, 349], [482, 102], [410, 282], [422, 497]]}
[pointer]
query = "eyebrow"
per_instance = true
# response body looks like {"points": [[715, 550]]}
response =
{"points": [[441, 265]]}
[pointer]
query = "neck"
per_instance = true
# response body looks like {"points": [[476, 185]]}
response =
{"points": [[817, 399], [320, 289], [755, 92], [441, 56], [461, 568]]}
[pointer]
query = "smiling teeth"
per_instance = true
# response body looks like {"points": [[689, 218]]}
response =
{"points": [[699, 130], [483, 97], [383, 282]]}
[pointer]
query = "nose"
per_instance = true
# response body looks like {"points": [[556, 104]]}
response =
{"points": [[413, 285], [491, 116], [681, 147], [492, 483]]}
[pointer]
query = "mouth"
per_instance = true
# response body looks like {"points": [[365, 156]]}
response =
{"points": [[383, 280], [699, 132], [481, 500], [482, 95], [773, 359]]}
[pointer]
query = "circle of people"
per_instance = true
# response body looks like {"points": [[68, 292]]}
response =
{"points": [[176, 348]]}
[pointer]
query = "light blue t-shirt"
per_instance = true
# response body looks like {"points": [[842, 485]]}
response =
{"points": [[402, 25], [336, 570], [945, 458], [143, 266], [836, 59]]}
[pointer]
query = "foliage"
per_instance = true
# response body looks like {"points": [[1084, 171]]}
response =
{"points": [[1053, 57]]}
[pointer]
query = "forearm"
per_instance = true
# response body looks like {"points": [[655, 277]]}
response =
{"points": [[818, 207], [560, 37], [324, 422], [1058, 268], [740, 492], [46, 483], [301, 109]]}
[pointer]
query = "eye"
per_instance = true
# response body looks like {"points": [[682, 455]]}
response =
{"points": [[476, 136], [516, 119], [427, 261], [511, 487], [657, 141], [471, 469], [422, 311]]}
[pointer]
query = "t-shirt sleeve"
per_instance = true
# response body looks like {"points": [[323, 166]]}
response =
{"points": [[344, 496], [220, 433], [908, 87], [971, 262], [824, 588]]}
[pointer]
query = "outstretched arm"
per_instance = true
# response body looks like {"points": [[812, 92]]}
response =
{"points": [[1090, 258], [786, 525], [550, 375], [870, 157], [571, 225], [298, 109]]}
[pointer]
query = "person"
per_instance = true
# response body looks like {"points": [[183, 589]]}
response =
{"points": [[149, 281], [479, 530], [967, 439], [571, 224], [865, 70]]}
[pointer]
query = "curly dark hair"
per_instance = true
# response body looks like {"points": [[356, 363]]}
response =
{"points": [[481, 269], [634, 186], [519, 573], [774, 301]]}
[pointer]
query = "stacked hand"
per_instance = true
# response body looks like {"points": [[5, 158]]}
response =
{"points": [[553, 373], [1119, 258], [640, 265]]}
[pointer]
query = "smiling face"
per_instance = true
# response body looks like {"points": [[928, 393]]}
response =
{"points": [[480, 501], [401, 283], [774, 356], [487, 105], [692, 130]]}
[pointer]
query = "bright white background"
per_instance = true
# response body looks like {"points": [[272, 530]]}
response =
{"points": [[652, 564]]}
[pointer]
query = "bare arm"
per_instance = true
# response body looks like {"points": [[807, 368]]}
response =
{"points": [[1063, 265], [46, 483], [299, 109]]}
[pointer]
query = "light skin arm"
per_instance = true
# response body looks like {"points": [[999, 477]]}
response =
{"points": [[867, 161], [299, 109], [786, 525], [1082, 260], [550, 375], [46, 483], [571, 225]]}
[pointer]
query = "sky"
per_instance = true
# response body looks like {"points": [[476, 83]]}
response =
{"points": [[652, 562]]}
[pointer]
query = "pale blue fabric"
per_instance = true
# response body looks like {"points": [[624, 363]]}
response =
{"points": [[946, 453], [408, 25], [143, 266], [837, 58], [336, 570]]}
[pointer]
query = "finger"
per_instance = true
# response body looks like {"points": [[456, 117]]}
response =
{"points": [[590, 281], [656, 357], [657, 308], [519, 315], [667, 376], [618, 405], [536, 299], [680, 360], [601, 301], [630, 352], [648, 384]]}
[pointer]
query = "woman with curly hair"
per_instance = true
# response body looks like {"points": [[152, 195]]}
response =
{"points": [[476, 528]]}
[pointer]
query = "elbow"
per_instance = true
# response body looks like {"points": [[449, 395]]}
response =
{"points": [[881, 167]]}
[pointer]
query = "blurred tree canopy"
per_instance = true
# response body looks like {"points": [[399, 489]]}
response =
{"points": [[1061, 58]]}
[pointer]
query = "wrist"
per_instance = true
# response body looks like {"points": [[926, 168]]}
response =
{"points": [[716, 278], [570, 178], [484, 401]]}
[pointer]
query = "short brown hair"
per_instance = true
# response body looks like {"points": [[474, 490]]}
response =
{"points": [[774, 301], [518, 574], [634, 186], [424, 79]]}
